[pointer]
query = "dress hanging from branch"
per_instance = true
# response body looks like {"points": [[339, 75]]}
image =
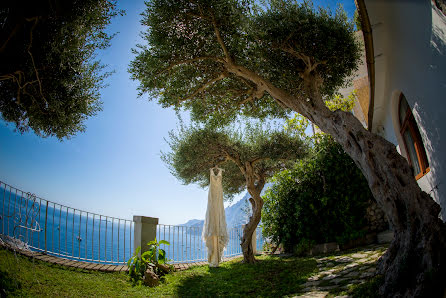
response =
{"points": [[215, 233]]}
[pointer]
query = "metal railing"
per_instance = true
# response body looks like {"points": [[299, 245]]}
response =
{"points": [[64, 231], [41, 225], [187, 246]]}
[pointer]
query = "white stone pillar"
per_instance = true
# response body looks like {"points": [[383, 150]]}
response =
{"points": [[144, 231]]}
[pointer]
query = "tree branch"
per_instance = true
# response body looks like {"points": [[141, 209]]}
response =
{"points": [[248, 99], [252, 94], [281, 96], [213, 58], [13, 32], [199, 16], [202, 88], [236, 159], [220, 39], [259, 159], [310, 65], [36, 20], [18, 80]]}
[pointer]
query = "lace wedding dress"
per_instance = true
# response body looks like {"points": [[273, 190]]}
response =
{"points": [[215, 233]]}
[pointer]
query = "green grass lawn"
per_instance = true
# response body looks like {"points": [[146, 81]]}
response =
{"points": [[272, 276]]}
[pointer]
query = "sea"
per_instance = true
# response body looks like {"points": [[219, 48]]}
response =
{"points": [[56, 229]]}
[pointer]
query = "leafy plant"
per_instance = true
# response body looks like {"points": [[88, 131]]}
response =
{"points": [[155, 255], [151, 259], [136, 267], [312, 203]]}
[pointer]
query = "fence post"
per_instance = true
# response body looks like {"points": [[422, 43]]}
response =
{"points": [[253, 240], [46, 218], [144, 231]]}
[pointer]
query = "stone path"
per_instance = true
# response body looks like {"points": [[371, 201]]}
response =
{"points": [[338, 273]]}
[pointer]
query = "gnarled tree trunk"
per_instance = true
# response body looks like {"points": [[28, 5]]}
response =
{"points": [[255, 187], [250, 228], [414, 264]]}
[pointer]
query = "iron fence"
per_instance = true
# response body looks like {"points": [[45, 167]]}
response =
{"points": [[59, 230], [187, 246], [41, 225]]}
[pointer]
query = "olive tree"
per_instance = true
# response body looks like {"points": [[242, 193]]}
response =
{"points": [[50, 79], [224, 57], [249, 156]]}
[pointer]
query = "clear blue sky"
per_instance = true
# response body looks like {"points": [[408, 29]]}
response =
{"points": [[114, 168]]}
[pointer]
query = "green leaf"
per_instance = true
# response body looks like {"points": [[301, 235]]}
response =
{"points": [[153, 242], [161, 256], [147, 253]]}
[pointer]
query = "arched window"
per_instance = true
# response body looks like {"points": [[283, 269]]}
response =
{"points": [[412, 139]]}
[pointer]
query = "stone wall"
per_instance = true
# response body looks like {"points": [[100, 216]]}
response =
{"points": [[376, 219]]}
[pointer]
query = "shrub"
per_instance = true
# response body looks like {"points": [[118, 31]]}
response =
{"points": [[322, 199]]}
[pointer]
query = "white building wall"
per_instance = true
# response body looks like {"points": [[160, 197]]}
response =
{"points": [[410, 51]]}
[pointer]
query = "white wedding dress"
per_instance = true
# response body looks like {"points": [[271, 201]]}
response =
{"points": [[215, 233]]}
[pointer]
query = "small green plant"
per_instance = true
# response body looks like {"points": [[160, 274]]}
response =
{"points": [[153, 259], [155, 255], [136, 267]]}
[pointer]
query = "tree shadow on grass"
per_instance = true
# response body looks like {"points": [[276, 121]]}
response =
{"points": [[273, 276], [8, 284]]}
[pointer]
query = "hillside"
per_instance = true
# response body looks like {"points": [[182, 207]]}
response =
{"points": [[235, 214]]}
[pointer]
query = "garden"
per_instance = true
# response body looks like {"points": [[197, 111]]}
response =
{"points": [[272, 275]]}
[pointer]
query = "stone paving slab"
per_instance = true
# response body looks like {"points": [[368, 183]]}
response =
{"points": [[342, 271], [315, 294], [118, 268]]}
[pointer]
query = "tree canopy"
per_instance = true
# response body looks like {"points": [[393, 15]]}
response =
{"points": [[50, 79], [249, 156], [196, 149], [192, 46]]}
